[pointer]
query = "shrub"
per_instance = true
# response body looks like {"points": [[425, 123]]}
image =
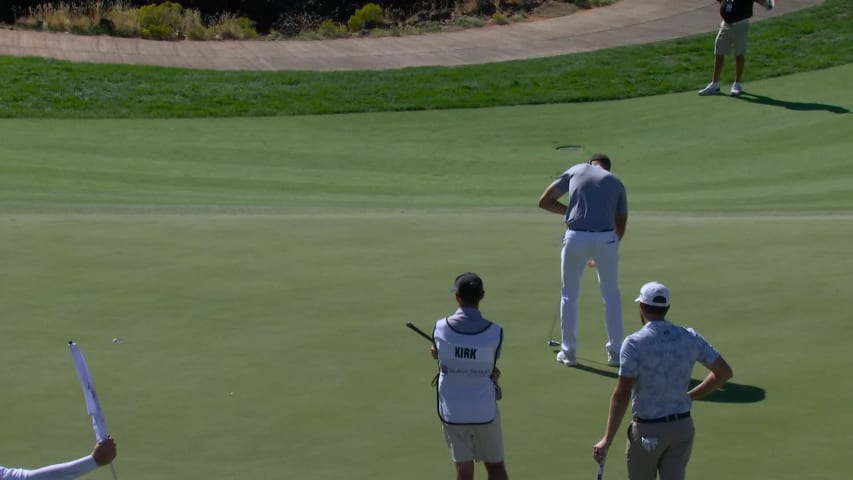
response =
{"points": [[80, 18], [500, 19], [230, 27], [81, 25], [56, 19], [29, 22], [479, 7], [366, 17], [124, 20], [331, 29], [469, 7], [193, 27], [160, 22], [467, 22]]}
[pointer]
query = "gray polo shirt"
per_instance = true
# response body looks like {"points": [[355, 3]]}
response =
{"points": [[660, 356], [595, 197]]}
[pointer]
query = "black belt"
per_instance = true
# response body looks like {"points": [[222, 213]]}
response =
{"points": [[668, 418], [589, 231]]}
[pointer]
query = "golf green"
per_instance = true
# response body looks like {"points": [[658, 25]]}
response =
{"points": [[259, 273]]}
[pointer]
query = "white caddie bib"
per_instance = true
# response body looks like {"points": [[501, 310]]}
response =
{"points": [[466, 393]]}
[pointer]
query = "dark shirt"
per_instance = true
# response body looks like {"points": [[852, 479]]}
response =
{"points": [[735, 10]]}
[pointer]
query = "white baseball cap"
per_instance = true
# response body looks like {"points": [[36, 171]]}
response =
{"points": [[654, 294]]}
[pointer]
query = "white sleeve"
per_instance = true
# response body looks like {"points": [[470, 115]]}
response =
{"points": [[60, 471]]}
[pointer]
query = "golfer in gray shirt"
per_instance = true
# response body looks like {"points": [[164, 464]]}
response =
{"points": [[596, 216]]}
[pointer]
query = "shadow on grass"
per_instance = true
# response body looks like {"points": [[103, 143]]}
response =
{"points": [[730, 393], [796, 106], [734, 393], [611, 373]]}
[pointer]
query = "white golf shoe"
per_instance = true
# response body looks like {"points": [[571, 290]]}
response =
{"points": [[567, 358], [737, 89], [713, 88], [613, 359]]}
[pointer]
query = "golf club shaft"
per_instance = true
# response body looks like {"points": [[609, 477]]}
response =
{"points": [[420, 332], [600, 470], [551, 341]]}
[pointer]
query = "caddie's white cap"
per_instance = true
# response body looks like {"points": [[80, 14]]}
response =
{"points": [[654, 294]]}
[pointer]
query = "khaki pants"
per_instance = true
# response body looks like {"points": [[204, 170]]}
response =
{"points": [[659, 448]]}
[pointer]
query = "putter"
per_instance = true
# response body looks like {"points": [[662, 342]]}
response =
{"points": [[551, 341], [601, 467], [420, 332]]}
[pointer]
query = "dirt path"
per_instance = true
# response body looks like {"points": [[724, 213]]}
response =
{"points": [[624, 23]]}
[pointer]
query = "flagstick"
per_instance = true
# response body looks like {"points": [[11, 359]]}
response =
{"points": [[93, 405]]}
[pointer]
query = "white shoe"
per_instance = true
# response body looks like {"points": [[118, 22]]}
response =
{"points": [[567, 358], [613, 359], [769, 4], [737, 89], [713, 88]]}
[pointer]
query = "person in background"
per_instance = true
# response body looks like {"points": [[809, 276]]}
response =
{"points": [[732, 35]]}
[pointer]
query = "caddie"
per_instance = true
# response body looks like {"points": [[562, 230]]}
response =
{"points": [[467, 347]]}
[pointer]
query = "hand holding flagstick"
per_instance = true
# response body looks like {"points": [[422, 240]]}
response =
{"points": [[93, 407]]}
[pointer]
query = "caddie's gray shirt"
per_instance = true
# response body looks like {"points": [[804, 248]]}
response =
{"points": [[595, 197], [660, 357]]}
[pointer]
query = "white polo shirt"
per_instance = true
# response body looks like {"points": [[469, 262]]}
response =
{"points": [[660, 357]]}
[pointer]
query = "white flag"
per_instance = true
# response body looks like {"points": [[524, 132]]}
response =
{"points": [[93, 406]]}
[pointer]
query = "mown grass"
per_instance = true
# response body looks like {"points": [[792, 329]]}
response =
{"points": [[705, 152], [814, 38], [261, 270]]}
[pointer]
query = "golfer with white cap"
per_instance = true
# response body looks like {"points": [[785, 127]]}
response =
{"points": [[656, 363]]}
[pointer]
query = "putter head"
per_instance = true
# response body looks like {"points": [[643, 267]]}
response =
{"points": [[553, 343]]}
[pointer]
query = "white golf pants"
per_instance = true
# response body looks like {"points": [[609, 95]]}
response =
{"points": [[578, 248]]}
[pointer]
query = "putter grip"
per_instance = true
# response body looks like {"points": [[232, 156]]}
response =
{"points": [[420, 332]]}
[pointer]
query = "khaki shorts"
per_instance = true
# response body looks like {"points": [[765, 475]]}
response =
{"points": [[732, 35], [481, 443]]}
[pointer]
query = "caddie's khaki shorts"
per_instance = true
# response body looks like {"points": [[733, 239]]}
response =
{"points": [[481, 443], [732, 35]]}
